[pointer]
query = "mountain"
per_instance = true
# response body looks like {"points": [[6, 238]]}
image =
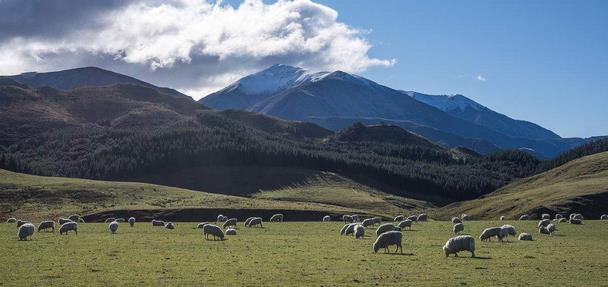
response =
{"points": [[464, 108], [359, 132], [336, 100], [84, 77], [580, 185]]}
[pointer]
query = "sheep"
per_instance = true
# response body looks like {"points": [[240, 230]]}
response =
{"points": [[326, 218], [214, 230], [507, 230], [201, 225], [543, 223], [348, 229], [405, 223], [544, 230], [221, 218], [48, 224], [576, 216], [157, 222], [229, 222], [457, 228], [21, 222], [422, 217], [355, 217], [576, 221], [169, 225], [231, 231], [255, 221], [377, 220], [81, 220], [562, 220], [131, 221], [604, 217], [458, 244], [26, 230], [545, 216], [368, 222], [359, 231], [456, 220], [399, 218], [347, 218], [387, 239], [464, 217], [525, 236], [385, 228], [11, 220], [276, 218], [246, 223], [113, 226], [551, 228], [63, 220], [524, 217], [413, 218], [74, 217], [68, 226], [490, 232], [558, 216], [110, 219], [502, 218]]}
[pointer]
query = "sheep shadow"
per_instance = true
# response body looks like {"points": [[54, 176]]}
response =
{"points": [[399, 254]]}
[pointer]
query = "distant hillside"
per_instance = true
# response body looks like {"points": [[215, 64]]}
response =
{"points": [[359, 132], [579, 186], [593, 147]]}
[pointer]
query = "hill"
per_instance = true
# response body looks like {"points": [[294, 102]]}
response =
{"points": [[579, 186], [359, 132]]}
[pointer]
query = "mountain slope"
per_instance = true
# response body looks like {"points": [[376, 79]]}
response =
{"points": [[579, 186], [359, 132]]}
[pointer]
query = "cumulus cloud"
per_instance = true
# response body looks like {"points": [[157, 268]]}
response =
{"points": [[192, 45], [480, 78]]}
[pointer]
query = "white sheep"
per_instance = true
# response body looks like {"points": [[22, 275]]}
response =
{"points": [[81, 220], [543, 223], [113, 227], [221, 218], [507, 230], [229, 222], [359, 231], [558, 216], [48, 224], [231, 231], [413, 218], [63, 220], [368, 222], [377, 220], [387, 239], [457, 228], [604, 217], [422, 217], [545, 216], [246, 223], [399, 218], [26, 230], [348, 229], [21, 222], [458, 244], [326, 218], [525, 236], [502, 218], [201, 225], [464, 217], [131, 221], [551, 227], [386, 228], [490, 232], [562, 220], [347, 218], [110, 219], [169, 225], [544, 230], [255, 221], [68, 226], [524, 217], [405, 223], [214, 230], [456, 220], [355, 217], [277, 218], [576, 221], [11, 220], [74, 217], [157, 222]]}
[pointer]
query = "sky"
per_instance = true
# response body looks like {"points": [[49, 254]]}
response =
{"points": [[541, 61]]}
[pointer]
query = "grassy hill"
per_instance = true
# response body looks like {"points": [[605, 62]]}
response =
{"points": [[580, 185]]}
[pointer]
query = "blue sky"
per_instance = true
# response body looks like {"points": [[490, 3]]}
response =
{"points": [[542, 61]]}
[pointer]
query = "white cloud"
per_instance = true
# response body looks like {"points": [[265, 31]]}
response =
{"points": [[480, 78], [198, 46]]}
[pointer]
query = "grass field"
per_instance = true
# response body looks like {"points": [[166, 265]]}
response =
{"points": [[300, 254]]}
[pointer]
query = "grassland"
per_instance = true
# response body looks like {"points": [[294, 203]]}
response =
{"points": [[580, 185], [300, 254]]}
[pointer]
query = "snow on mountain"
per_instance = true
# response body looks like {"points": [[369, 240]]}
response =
{"points": [[277, 77], [446, 103]]}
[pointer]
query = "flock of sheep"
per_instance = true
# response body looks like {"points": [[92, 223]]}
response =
{"points": [[388, 234]]}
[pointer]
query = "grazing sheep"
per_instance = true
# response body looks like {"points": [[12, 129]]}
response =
{"points": [[578, 216], [524, 217], [456, 220], [359, 231], [157, 222], [46, 225], [81, 220], [214, 230], [490, 232], [74, 217], [131, 221], [355, 217], [110, 219], [525, 236], [544, 230], [68, 226], [231, 231], [458, 244], [11, 220], [247, 221], [413, 218], [551, 228], [326, 218], [604, 217], [21, 222], [348, 229], [502, 218], [457, 228], [576, 221], [377, 220], [276, 218], [399, 218], [368, 222], [507, 230], [201, 225], [545, 216], [562, 220], [63, 220], [113, 226], [543, 223], [255, 221], [347, 218], [405, 223], [26, 230], [422, 217], [387, 239], [386, 228], [229, 222], [558, 216], [464, 217], [169, 225]]}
